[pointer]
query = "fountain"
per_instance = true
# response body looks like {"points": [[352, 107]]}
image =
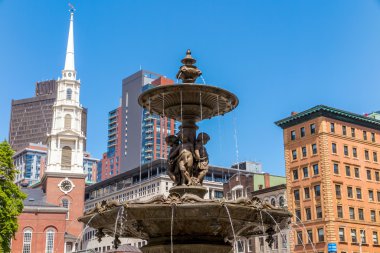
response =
{"points": [[184, 221]]}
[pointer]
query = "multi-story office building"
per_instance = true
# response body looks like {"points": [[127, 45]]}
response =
{"points": [[31, 118], [109, 165], [31, 163], [142, 183], [333, 180], [143, 134]]}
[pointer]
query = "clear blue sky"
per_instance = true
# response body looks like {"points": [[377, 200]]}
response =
{"points": [[276, 56]]}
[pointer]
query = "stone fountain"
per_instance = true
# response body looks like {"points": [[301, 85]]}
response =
{"points": [[184, 221]]}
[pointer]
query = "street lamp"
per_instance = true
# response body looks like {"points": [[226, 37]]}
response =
{"points": [[362, 235]]}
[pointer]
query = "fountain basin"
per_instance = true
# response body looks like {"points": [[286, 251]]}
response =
{"points": [[183, 101], [190, 222]]}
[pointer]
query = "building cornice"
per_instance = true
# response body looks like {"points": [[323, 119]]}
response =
{"points": [[44, 209], [269, 189], [329, 112]]}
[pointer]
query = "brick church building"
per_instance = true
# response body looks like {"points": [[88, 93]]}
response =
{"points": [[48, 222]]}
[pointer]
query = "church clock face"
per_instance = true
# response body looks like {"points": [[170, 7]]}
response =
{"points": [[66, 185]]}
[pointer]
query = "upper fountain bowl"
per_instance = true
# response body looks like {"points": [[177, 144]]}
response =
{"points": [[188, 101]]}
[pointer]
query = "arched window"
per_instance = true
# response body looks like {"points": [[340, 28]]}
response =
{"points": [[273, 202], [65, 203], [50, 241], [66, 156], [69, 93], [282, 201], [67, 121], [27, 241]]}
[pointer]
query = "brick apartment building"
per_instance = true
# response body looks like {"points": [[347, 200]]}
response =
{"points": [[333, 180]]}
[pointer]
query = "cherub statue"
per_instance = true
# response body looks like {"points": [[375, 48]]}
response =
{"points": [[173, 143], [185, 159], [201, 156]]}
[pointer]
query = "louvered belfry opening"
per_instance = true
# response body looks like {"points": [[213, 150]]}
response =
{"points": [[66, 157], [67, 121]]}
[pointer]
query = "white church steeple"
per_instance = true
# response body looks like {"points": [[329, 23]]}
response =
{"points": [[69, 70], [65, 153]]}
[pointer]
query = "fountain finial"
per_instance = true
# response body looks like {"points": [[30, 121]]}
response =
{"points": [[188, 72]]}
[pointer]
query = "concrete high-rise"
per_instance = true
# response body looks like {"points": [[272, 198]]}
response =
{"points": [[333, 180], [143, 134], [31, 118]]}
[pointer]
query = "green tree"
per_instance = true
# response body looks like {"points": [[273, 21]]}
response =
{"points": [[11, 197]]}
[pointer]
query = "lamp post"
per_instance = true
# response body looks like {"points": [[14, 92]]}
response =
{"points": [[362, 235]]}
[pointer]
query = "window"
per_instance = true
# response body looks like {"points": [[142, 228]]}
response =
{"points": [[357, 172], [298, 215], [312, 128], [304, 152], [358, 193], [332, 127], [297, 195], [66, 156], [318, 211], [361, 214], [352, 132], [293, 135], [366, 155], [49, 241], [373, 215], [65, 204], [348, 171], [317, 190], [315, 169], [363, 237], [340, 211], [370, 195], [374, 156], [364, 135], [336, 168], [351, 211], [345, 150], [295, 174], [299, 238], [321, 235], [67, 123], [378, 196], [354, 152], [294, 154], [27, 241], [69, 94], [373, 139], [344, 130], [333, 148], [338, 191], [341, 235], [307, 192], [369, 175], [377, 176], [375, 238], [284, 241], [282, 201], [354, 239], [302, 130], [308, 213], [350, 193], [305, 172], [314, 148], [310, 236]]}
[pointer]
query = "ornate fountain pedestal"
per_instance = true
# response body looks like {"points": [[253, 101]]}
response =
{"points": [[185, 222]]}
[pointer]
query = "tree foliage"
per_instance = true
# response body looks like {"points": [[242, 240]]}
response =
{"points": [[11, 197]]}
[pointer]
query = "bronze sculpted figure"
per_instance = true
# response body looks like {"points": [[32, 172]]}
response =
{"points": [[188, 73], [181, 167], [201, 157]]}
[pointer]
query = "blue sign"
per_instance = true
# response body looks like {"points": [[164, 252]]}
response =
{"points": [[331, 247]]}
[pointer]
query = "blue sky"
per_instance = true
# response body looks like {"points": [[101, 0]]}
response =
{"points": [[276, 56]]}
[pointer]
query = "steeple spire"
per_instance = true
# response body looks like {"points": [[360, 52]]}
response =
{"points": [[69, 70]]}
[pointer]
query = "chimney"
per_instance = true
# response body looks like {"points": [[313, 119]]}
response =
{"points": [[293, 113]]}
